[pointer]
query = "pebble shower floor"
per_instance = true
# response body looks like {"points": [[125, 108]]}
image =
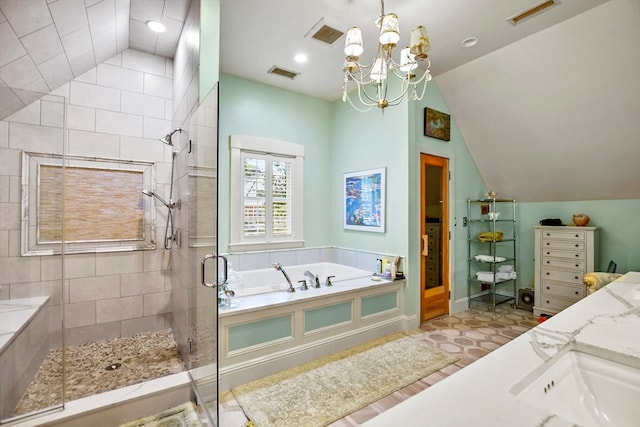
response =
{"points": [[102, 366]]}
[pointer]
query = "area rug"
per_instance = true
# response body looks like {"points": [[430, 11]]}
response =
{"points": [[185, 415], [325, 390]]}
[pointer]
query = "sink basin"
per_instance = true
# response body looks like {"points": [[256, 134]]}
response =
{"points": [[591, 388]]}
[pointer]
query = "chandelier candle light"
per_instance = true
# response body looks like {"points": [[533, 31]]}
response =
{"points": [[383, 65]]}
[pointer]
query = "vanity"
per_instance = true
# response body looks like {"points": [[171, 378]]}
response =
{"points": [[580, 367]]}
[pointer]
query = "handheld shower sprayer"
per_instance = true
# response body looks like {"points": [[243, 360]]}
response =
{"points": [[170, 235], [167, 138], [169, 204]]}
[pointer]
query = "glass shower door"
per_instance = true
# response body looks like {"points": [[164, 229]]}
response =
{"points": [[202, 236]]}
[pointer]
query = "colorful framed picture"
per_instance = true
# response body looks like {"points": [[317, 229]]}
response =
{"points": [[364, 200], [437, 124]]}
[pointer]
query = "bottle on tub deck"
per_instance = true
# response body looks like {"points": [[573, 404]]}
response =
{"points": [[378, 266], [385, 263]]}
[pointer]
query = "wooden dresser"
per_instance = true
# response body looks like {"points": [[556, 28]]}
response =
{"points": [[562, 257]]}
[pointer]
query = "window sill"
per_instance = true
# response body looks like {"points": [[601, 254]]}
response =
{"points": [[255, 246]]}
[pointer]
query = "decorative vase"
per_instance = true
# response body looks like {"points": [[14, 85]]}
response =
{"points": [[581, 220]]}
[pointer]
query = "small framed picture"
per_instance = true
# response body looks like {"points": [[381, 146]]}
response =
{"points": [[364, 200], [437, 124]]}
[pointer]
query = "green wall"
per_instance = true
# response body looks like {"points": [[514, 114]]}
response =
{"points": [[465, 182], [617, 221], [209, 46], [338, 139], [250, 108]]}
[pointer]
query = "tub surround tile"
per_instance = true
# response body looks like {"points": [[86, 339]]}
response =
{"points": [[606, 321]]}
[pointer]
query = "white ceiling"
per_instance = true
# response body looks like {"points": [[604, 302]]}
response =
{"points": [[535, 102], [258, 34]]}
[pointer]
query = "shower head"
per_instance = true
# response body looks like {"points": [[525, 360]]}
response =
{"points": [[167, 138], [160, 199]]}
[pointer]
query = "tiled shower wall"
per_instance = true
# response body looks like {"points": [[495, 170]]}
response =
{"points": [[116, 110]]}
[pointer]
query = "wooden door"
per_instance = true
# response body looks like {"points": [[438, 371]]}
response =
{"points": [[434, 237]]}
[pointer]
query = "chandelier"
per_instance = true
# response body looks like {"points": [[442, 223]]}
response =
{"points": [[371, 80]]}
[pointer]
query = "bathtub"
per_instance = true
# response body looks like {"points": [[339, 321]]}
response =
{"points": [[24, 344], [268, 329]]}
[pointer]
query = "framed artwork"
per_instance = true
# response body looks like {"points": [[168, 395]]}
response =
{"points": [[364, 200], [437, 124]]}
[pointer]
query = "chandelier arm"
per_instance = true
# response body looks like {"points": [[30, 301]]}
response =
{"points": [[370, 101], [424, 89], [348, 98]]}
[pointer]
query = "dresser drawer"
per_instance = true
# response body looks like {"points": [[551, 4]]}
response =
{"points": [[563, 244], [552, 289], [562, 276], [556, 303], [577, 264], [562, 254], [563, 234]]}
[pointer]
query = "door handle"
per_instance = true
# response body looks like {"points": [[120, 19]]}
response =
{"points": [[203, 270], [425, 242]]}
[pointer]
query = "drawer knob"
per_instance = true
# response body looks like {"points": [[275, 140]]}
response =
{"points": [[577, 235], [577, 255], [576, 277], [548, 253], [547, 243], [548, 234], [577, 265], [548, 262], [577, 246], [547, 301], [547, 273], [577, 293], [547, 287]]}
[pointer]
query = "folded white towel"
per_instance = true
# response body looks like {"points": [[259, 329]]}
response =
{"points": [[489, 258], [506, 268]]}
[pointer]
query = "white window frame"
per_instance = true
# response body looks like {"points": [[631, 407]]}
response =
{"points": [[264, 147]]}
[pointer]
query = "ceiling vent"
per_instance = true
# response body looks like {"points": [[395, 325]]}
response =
{"points": [[533, 10], [324, 33], [282, 72]]}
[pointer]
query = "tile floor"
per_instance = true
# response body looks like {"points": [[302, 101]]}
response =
{"points": [[469, 335]]}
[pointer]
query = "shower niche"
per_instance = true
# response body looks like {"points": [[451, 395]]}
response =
{"points": [[104, 207]]}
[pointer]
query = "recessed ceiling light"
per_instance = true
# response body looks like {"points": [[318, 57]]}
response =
{"points": [[469, 42], [300, 58], [156, 26]]}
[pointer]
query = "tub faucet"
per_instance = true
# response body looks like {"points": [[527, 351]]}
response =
{"points": [[277, 266], [313, 278]]}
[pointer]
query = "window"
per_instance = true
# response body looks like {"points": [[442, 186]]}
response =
{"points": [[104, 209], [266, 193]]}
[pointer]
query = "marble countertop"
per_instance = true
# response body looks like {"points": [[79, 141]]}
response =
{"points": [[607, 322]]}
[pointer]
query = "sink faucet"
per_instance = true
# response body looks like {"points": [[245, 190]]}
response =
{"points": [[313, 278], [277, 266]]}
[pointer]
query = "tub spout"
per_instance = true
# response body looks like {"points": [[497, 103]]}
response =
{"points": [[313, 278], [277, 266]]}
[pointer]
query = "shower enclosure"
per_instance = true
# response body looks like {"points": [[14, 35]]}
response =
{"points": [[96, 287]]}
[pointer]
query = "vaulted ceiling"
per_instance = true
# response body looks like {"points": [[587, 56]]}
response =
{"points": [[549, 107]]}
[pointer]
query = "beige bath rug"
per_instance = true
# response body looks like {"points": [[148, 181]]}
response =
{"points": [[323, 391]]}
